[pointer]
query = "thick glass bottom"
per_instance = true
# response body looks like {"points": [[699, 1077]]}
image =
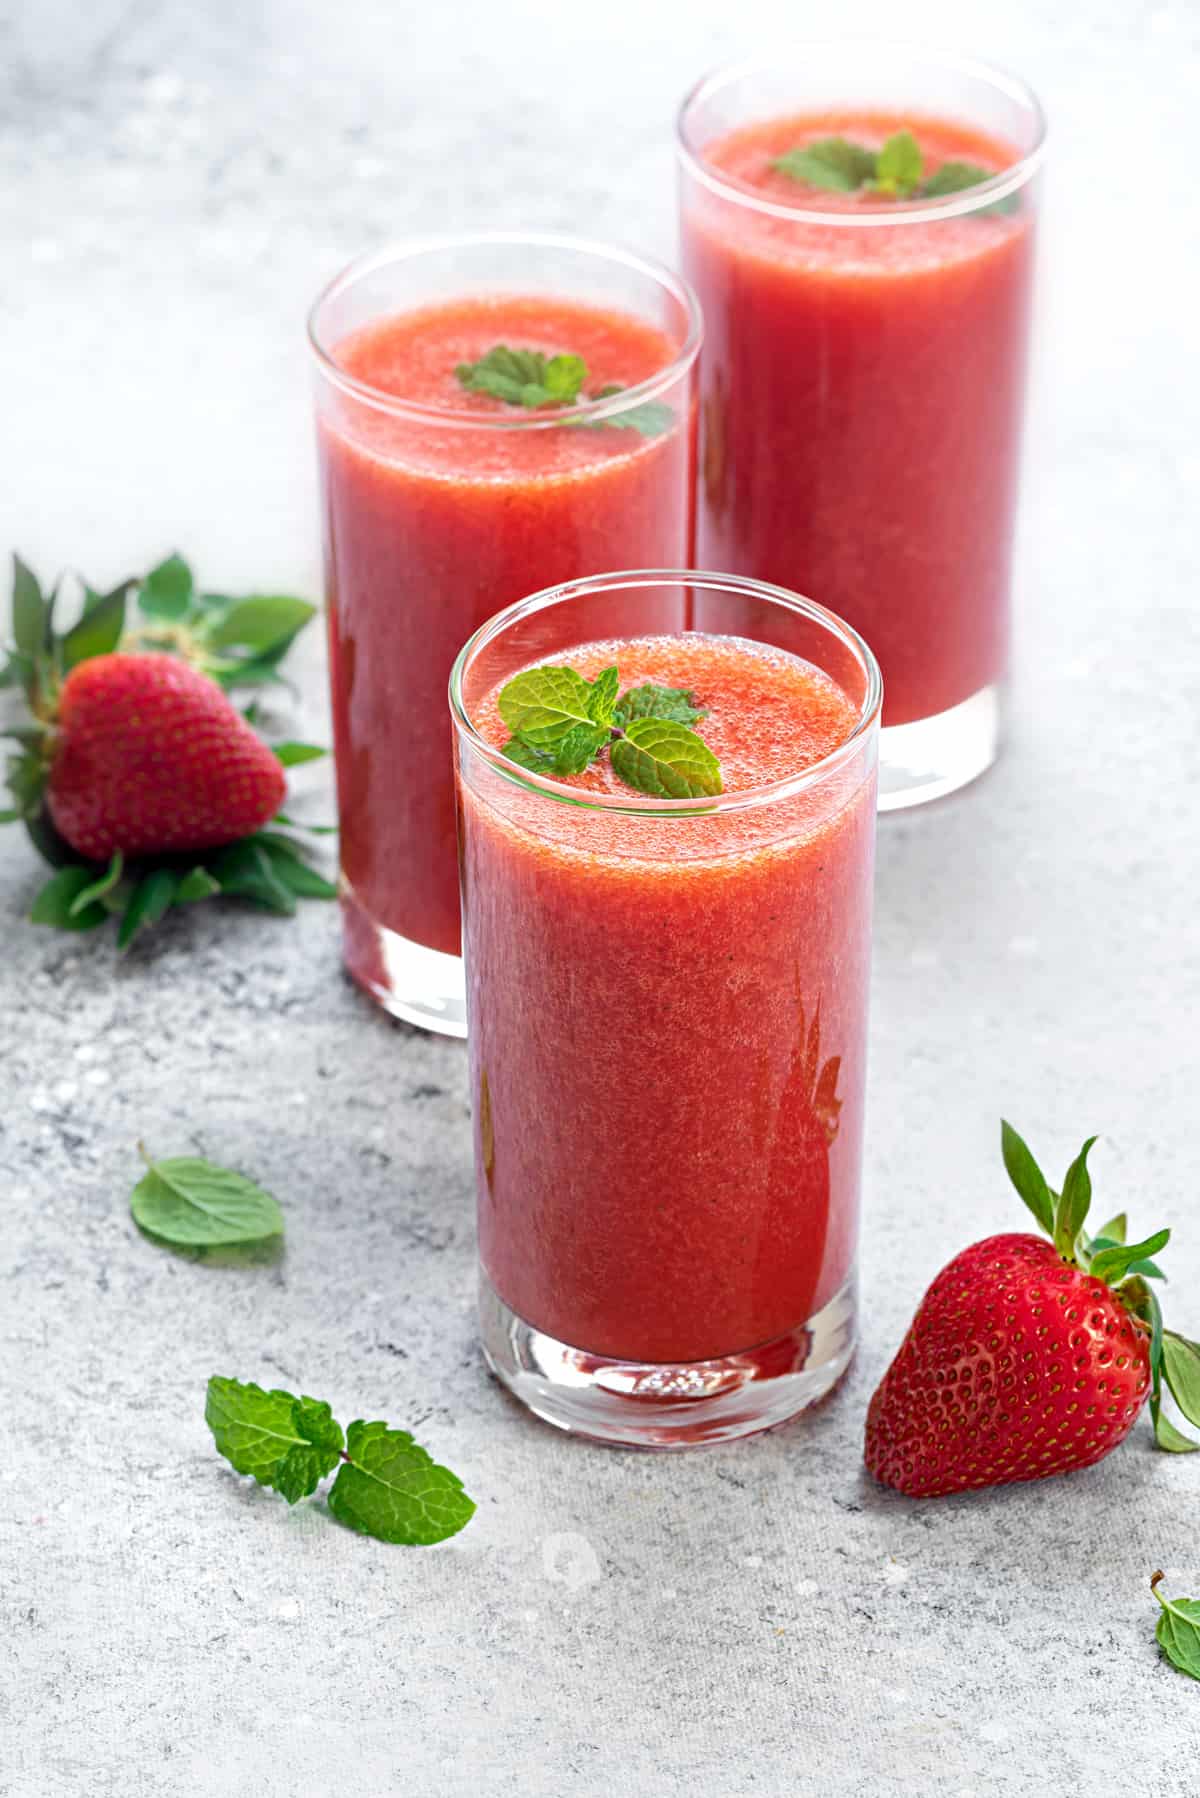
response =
{"points": [[422, 986], [638, 1404], [934, 756]]}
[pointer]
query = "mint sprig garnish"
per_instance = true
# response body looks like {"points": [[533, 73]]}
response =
{"points": [[1178, 1630], [1127, 1267], [561, 722], [192, 1203], [533, 380], [387, 1486], [894, 171]]}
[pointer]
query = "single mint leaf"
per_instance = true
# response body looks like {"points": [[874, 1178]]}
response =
{"points": [[149, 901], [1178, 1630], [580, 747], [832, 163], [98, 631], [388, 1487], [953, 177], [279, 1440], [565, 375], [166, 591], [30, 612], [1181, 1370], [1074, 1204], [1027, 1177], [100, 887], [898, 165], [543, 704], [602, 702], [196, 1204], [678, 704], [265, 622], [651, 418], [54, 903], [666, 760], [197, 884], [537, 761], [291, 755]]}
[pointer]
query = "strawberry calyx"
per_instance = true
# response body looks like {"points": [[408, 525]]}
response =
{"points": [[1128, 1268], [237, 642]]}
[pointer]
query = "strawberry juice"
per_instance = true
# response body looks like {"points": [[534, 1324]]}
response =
{"points": [[440, 506], [862, 388], [667, 1030]]}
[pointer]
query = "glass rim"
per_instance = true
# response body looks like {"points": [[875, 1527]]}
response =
{"points": [[967, 200], [744, 799], [411, 248]]}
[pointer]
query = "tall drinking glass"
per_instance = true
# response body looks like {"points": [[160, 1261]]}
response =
{"points": [[862, 382], [442, 503], [667, 1002]]}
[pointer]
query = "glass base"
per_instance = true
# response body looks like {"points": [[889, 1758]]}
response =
{"points": [[935, 756], [421, 986], [639, 1404]]}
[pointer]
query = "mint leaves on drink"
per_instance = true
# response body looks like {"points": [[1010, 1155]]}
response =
{"points": [[387, 1486], [561, 722], [894, 172], [530, 379], [1178, 1629], [191, 1203]]}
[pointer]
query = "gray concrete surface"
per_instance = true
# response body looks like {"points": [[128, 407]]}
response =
{"points": [[175, 181]]}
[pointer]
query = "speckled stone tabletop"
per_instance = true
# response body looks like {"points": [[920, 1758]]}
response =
{"points": [[175, 182]]}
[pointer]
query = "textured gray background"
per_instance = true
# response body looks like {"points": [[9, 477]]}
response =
{"points": [[175, 182]]}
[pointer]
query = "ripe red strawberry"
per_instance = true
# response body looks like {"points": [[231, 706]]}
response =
{"points": [[1027, 1357], [150, 756]]}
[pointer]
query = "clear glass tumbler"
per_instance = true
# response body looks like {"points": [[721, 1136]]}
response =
{"points": [[668, 1003], [862, 381], [439, 512]]}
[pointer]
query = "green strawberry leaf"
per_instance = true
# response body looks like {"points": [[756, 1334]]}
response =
{"points": [[266, 623], [1115, 1229], [676, 704], [1112, 1264], [291, 755], [198, 883], [543, 704], [1074, 1204], [1178, 1630], [193, 1203], [54, 903], [246, 869], [166, 592], [149, 901], [101, 887], [1168, 1437], [666, 760], [831, 163], [1181, 1370], [390, 1488], [281, 1441], [30, 610], [291, 869], [98, 631]]}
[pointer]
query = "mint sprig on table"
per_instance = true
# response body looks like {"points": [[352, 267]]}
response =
{"points": [[561, 723], [387, 1485], [1178, 1630], [530, 379], [894, 172], [192, 1203]]}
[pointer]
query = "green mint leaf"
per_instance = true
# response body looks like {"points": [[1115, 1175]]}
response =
{"points": [[198, 884], [1074, 1204], [678, 704], [196, 1204], [953, 177], [832, 163], [525, 377], [246, 870], [30, 611], [1181, 1370], [98, 631], [279, 1440], [1112, 1264], [264, 622], [53, 904], [898, 166], [666, 760], [565, 375], [292, 755], [537, 761], [1027, 1177], [580, 747], [101, 887], [166, 591], [650, 419], [602, 702], [388, 1487], [1178, 1630], [150, 900], [543, 704]]}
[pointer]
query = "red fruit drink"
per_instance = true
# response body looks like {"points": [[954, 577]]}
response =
{"points": [[440, 506], [862, 385], [668, 1014]]}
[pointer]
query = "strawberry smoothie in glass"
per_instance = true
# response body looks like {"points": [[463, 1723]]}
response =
{"points": [[668, 999], [858, 222], [494, 414]]}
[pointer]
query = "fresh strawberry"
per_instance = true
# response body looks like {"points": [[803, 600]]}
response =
{"points": [[1027, 1357], [150, 756]]}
